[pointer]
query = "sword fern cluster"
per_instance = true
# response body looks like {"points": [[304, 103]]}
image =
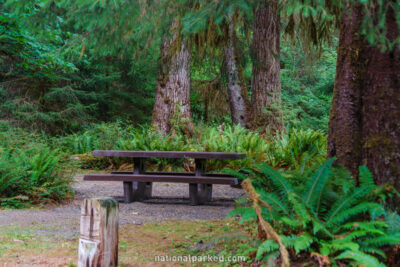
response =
{"points": [[327, 216]]}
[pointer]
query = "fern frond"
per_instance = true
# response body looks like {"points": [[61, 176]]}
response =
{"points": [[266, 247], [315, 187], [344, 214], [276, 203], [299, 208], [369, 225], [241, 175], [342, 244], [298, 243], [246, 213], [340, 206], [278, 181], [319, 226], [303, 242], [373, 250], [292, 223], [366, 178], [393, 221], [380, 241], [288, 241], [356, 234], [361, 258]]}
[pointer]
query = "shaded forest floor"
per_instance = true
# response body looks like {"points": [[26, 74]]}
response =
{"points": [[164, 225]]}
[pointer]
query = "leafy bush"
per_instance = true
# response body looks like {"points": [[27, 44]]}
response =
{"points": [[323, 218]]}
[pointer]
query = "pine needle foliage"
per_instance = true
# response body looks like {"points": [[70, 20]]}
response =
{"points": [[352, 228]]}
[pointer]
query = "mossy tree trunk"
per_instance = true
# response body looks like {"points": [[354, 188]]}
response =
{"points": [[237, 92], [365, 116], [266, 87], [381, 109], [172, 104]]}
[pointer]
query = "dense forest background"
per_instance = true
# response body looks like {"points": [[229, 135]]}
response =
{"points": [[60, 73]]}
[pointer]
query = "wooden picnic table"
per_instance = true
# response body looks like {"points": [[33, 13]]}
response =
{"points": [[138, 184]]}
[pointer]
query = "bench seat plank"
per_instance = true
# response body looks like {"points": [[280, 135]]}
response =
{"points": [[161, 178], [177, 173], [168, 154]]}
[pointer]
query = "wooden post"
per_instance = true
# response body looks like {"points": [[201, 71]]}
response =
{"points": [[98, 243]]}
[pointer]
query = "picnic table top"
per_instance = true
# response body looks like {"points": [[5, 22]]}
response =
{"points": [[169, 154]]}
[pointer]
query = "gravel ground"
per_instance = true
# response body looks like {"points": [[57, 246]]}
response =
{"points": [[170, 201]]}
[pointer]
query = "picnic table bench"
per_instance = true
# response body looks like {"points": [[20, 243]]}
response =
{"points": [[138, 184]]}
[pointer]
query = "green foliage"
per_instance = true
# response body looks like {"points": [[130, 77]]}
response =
{"points": [[28, 54], [325, 216], [53, 80], [295, 149], [30, 171], [60, 74], [307, 86]]}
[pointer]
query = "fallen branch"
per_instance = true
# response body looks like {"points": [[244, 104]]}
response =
{"points": [[267, 228]]}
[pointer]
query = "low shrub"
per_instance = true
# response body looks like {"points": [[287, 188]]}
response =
{"points": [[30, 170], [294, 149], [297, 149], [33, 176]]}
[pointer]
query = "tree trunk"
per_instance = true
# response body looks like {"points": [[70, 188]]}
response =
{"points": [[381, 109], [344, 139], [365, 114], [172, 105], [238, 98], [266, 88]]}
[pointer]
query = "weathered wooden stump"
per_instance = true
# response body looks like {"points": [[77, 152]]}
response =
{"points": [[98, 243]]}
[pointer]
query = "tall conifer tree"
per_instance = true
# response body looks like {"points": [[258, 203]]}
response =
{"points": [[265, 84], [365, 116]]}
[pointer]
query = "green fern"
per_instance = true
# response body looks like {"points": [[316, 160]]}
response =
{"points": [[383, 240], [338, 212], [317, 184], [303, 242], [366, 178], [280, 184], [361, 258], [342, 211], [336, 220], [266, 247]]}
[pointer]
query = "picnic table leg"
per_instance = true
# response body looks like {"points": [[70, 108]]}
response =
{"points": [[200, 193], [128, 192], [134, 191], [142, 190]]}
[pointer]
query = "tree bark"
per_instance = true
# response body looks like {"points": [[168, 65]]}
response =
{"points": [[172, 105], [266, 88], [381, 109], [238, 98], [365, 116], [344, 136]]}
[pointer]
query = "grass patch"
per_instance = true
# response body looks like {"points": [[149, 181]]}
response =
{"points": [[138, 244]]}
